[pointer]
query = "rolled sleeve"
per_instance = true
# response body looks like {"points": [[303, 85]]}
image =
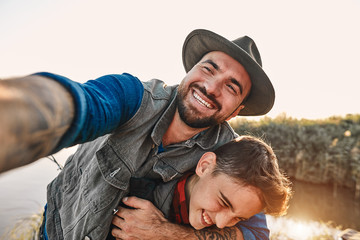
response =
{"points": [[255, 228], [101, 105]]}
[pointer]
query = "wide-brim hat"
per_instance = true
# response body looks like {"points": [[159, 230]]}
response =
{"points": [[262, 95]]}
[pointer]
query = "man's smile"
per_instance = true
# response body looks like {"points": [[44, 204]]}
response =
{"points": [[202, 101]]}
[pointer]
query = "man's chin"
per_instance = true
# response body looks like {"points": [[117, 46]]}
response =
{"points": [[200, 124], [187, 115]]}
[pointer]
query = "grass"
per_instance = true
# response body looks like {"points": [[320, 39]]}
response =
{"points": [[281, 228], [25, 229]]}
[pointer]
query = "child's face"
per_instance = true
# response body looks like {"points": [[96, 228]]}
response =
{"points": [[221, 201]]}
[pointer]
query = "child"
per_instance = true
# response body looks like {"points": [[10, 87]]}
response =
{"points": [[236, 181]]}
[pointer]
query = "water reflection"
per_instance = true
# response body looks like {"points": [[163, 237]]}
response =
{"points": [[316, 202], [285, 228]]}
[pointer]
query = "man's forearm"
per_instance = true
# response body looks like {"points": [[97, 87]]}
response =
{"points": [[35, 112], [175, 231]]}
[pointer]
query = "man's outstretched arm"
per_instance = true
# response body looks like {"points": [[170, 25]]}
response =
{"points": [[43, 113], [147, 222], [35, 112]]}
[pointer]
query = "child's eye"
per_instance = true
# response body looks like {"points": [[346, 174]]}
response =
{"points": [[239, 219], [223, 204]]}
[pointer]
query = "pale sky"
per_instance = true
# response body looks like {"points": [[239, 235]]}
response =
{"points": [[309, 48]]}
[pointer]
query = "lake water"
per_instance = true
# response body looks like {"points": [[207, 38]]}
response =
{"points": [[23, 190], [23, 193], [316, 202]]}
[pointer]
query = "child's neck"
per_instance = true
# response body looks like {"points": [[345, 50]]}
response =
{"points": [[189, 186]]}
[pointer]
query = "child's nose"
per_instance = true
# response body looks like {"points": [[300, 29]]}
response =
{"points": [[225, 220]]}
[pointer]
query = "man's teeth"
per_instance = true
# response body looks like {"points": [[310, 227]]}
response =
{"points": [[202, 101], [207, 219]]}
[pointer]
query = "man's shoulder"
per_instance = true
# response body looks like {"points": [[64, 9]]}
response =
{"points": [[227, 130], [159, 89]]}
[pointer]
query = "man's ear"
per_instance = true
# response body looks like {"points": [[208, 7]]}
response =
{"points": [[236, 112], [206, 164]]}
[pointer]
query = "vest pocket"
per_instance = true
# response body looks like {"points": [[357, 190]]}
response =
{"points": [[106, 179]]}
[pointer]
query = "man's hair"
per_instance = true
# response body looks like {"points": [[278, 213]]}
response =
{"points": [[252, 162]]}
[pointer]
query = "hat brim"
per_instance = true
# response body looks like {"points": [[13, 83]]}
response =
{"points": [[200, 42]]}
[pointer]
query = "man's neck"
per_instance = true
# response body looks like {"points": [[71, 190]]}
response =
{"points": [[179, 131]]}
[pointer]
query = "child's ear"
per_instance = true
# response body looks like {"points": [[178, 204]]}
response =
{"points": [[206, 164]]}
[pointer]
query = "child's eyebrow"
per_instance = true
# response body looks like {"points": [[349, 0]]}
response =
{"points": [[227, 201]]}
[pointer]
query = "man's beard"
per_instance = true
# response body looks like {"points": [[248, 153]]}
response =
{"points": [[189, 116]]}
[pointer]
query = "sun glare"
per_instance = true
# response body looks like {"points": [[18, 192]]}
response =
{"points": [[299, 230], [302, 230]]}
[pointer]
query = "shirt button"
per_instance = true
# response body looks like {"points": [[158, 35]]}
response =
{"points": [[188, 142]]}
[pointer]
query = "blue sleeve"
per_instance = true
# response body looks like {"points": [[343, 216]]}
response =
{"points": [[101, 105], [255, 228]]}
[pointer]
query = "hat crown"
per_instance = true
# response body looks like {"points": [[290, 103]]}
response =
{"points": [[249, 46]]}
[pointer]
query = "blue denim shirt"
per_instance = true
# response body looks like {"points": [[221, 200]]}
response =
{"points": [[96, 177]]}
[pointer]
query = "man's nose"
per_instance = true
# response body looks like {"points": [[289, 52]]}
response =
{"points": [[213, 87]]}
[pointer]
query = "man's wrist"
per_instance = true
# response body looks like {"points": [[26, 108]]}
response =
{"points": [[176, 231]]}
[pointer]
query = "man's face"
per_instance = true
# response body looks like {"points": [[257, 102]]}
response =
{"points": [[213, 90], [221, 200]]}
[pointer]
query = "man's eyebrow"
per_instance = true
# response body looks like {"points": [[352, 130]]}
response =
{"points": [[216, 67], [226, 200], [236, 82], [212, 64]]}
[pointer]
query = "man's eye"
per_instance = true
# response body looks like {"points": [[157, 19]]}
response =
{"points": [[208, 69], [232, 88]]}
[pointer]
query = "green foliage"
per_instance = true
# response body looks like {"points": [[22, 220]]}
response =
{"points": [[318, 151]]}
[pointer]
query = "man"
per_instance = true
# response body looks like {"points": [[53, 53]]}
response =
{"points": [[231, 184], [157, 131]]}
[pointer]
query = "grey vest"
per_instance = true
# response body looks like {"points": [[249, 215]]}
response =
{"points": [[160, 193], [96, 177]]}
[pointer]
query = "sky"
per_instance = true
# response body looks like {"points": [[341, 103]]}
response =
{"points": [[310, 48]]}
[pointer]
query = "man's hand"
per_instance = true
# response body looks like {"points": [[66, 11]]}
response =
{"points": [[35, 112], [148, 222], [143, 222]]}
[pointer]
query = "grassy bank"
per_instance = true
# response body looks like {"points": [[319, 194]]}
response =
{"points": [[25, 229], [317, 151], [281, 228]]}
